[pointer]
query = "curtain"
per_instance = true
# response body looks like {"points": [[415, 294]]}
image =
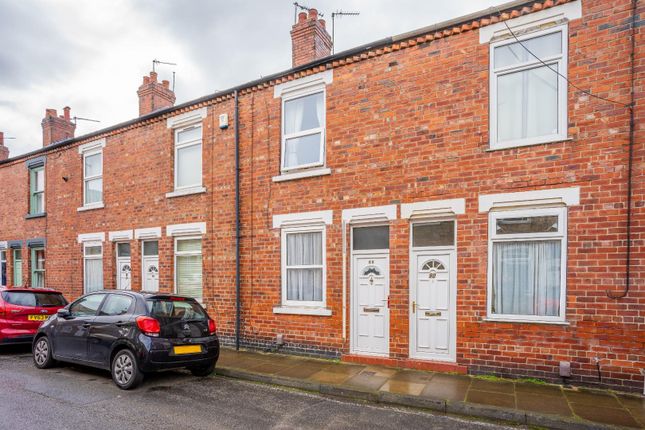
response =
{"points": [[189, 275], [526, 278], [304, 249], [295, 111], [189, 166], [93, 274]]}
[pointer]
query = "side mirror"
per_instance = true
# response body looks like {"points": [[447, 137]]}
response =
{"points": [[63, 313]]}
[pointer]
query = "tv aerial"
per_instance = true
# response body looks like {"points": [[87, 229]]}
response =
{"points": [[156, 62], [339, 13]]}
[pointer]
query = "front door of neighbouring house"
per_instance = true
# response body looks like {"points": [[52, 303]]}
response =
{"points": [[124, 266], [150, 265], [370, 290], [433, 292]]}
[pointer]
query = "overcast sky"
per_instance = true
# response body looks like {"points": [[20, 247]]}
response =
{"points": [[91, 55]]}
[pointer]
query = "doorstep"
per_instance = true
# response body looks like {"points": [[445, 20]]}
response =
{"points": [[434, 366], [516, 401]]}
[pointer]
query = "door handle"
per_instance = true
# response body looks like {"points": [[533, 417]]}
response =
{"points": [[121, 323], [86, 325], [414, 306]]}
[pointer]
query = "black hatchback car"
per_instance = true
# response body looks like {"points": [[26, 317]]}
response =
{"points": [[129, 333]]}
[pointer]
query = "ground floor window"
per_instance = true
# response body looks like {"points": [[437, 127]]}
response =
{"points": [[303, 266], [3, 268], [38, 267], [188, 267], [92, 267], [527, 264], [17, 267]]}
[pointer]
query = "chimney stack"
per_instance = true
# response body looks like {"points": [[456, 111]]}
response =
{"points": [[4, 151], [154, 95], [309, 39], [57, 128]]}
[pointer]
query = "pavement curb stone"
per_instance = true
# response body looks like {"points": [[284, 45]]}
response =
{"points": [[442, 406]]}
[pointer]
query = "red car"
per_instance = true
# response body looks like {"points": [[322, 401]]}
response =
{"points": [[22, 310]]}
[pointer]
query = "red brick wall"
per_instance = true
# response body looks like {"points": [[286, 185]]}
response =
{"points": [[406, 126]]}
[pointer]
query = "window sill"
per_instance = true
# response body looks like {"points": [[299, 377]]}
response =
{"points": [[527, 321], [512, 145], [91, 207], [302, 310], [186, 192], [321, 171], [32, 216]]}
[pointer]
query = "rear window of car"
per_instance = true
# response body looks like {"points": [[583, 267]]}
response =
{"points": [[167, 308], [27, 298]]}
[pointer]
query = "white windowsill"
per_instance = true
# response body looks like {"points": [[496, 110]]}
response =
{"points": [[526, 321], [320, 171], [91, 207], [186, 192], [520, 144], [302, 310]]}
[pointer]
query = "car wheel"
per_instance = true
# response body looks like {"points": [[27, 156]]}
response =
{"points": [[125, 370], [43, 354], [203, 370]]}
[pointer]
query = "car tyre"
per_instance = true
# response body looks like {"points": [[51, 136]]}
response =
{"points": [[125, 370], [203, 370], [42, 353]]}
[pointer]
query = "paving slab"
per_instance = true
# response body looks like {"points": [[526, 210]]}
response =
{"points": [[526, 403]]}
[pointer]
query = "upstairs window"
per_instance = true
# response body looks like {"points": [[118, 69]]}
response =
{"points": [[188, 157], [36, 190], [92, 154], [528, 99], [303, 130]]}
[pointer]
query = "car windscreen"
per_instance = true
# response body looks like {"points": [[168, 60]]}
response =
{"points": [[174, 309], [28, 298]]}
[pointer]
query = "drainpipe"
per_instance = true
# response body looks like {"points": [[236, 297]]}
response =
{"points": [[630, 164], [237, 223]]}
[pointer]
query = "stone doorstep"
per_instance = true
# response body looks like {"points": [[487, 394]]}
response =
{"points": [[432, 366], [441, 406]]}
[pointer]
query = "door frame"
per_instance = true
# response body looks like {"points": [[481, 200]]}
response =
{"points": [[412, 289], [353, 291]]}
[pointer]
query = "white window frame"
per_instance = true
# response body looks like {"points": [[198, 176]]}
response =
{"points": [[561, 235], [317, 228], [86, 179], [188, 144], [562, 66], [296, 94], [33, 260], [187, 253], [86, 245]]}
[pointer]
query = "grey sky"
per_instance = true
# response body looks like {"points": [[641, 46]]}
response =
{"points": [[91, 55]]}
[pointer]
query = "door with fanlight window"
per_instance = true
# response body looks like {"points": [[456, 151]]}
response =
{"points": [[433, 291], [370, 318], [124, 266], [150, 265]]}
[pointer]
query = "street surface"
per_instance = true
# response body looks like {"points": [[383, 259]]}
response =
{"points": [[70, 397]]}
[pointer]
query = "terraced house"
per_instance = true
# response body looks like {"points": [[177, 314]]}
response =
{"points": [[464, 197]]}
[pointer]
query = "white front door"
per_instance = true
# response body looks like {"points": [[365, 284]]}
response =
{"points": [[371, 316], [432, 298], [151, 273], [123, 266]]}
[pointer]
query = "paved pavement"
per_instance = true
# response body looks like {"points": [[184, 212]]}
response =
{"points": [[542, 405], [78, 398]]}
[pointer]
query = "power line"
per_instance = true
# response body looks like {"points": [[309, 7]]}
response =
{"points": [[589, 93]]}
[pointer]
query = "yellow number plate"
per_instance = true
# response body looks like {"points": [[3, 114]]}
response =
{"points": [[37, 317], [187, 349]]}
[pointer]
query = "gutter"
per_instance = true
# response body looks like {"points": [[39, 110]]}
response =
{"points": [[238, 304], [322, 61]]}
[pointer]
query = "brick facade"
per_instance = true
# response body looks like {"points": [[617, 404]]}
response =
{"points": [[406, 122]]}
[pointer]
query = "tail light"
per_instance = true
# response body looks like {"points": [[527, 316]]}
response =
{"points": [[148, 326], [212, 327]]}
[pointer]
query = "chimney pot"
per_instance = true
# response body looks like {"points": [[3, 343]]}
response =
{"points": [[153, 76], [165, 83], [57, 128], [4, 151], [302, 17], [313, 13]]}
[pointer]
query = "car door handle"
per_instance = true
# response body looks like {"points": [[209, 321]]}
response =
{"points": [[86, 325], [121, 324]]}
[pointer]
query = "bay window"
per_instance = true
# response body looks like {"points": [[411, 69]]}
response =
{"points": [[528, 99], [527, 265]]}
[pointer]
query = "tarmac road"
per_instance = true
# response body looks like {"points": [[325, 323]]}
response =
{"points": [[77, 398]]}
